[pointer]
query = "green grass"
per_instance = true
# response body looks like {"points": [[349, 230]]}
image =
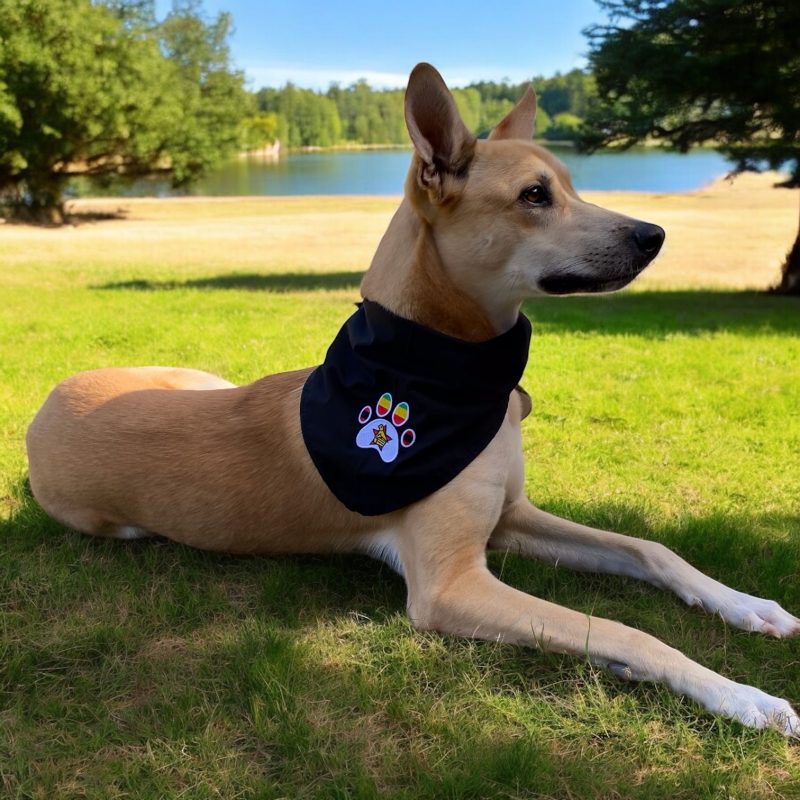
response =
{"points": [[148, 670]]}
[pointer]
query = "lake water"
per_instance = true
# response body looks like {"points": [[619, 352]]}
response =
{"points": [[383, 172]]}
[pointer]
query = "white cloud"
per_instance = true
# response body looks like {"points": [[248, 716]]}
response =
{"points": [[260, 74], [320, 78]]}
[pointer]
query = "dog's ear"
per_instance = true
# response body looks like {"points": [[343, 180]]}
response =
{"points": [[441, 139], [520, 122]]}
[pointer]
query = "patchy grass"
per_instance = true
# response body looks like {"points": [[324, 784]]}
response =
{"points": [[148, 670]]}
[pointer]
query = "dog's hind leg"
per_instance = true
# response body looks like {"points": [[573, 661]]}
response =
{"points": [[61, 441], [92, 522], [529, 531]]}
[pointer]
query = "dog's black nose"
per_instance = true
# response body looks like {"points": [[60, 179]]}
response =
{"points": [[648, 238]]}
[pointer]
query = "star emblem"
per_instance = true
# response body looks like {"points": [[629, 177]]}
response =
{"points": [[381, 437]]}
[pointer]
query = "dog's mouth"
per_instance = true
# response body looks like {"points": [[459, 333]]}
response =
{"points": [[575, 283], [598, 276]]}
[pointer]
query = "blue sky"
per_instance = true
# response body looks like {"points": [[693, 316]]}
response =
{"points": [[313, 43]]}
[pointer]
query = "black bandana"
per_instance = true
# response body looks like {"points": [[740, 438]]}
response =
{"points": [[398, 410]]}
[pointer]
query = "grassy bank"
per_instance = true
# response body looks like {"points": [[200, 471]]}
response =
{"points": [[147, 670]]}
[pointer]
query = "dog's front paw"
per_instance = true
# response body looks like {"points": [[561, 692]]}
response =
{"points": [[749, 613], [381, 433], [753, 708], [757, 614]]}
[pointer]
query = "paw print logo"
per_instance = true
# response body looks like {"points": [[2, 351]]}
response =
{"points": [[381, 433]]}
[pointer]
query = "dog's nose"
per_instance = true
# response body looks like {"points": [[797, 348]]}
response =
{"points": [[648, 238]]}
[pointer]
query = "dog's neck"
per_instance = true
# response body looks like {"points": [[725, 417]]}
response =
{"points": [[407, 276]]}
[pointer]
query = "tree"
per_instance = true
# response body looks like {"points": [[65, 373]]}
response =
{"points": [[564, 127], [362, 115], [688, 72], [543, 124], [259, 130], [101, 89], [308, 118], [492, 111], [469, 106], [207, 94]]}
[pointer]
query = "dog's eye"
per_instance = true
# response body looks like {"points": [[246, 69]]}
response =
{"points": [[535, 196]]}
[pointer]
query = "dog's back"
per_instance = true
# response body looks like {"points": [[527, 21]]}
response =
{"points": [[157, 450]]}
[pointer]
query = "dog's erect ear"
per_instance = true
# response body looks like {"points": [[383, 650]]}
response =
{"points": [[520, 122], [440, 137]]}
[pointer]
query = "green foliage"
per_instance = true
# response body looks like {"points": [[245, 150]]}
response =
{"points": [[543, 123], [101, 89], [363, 115], [564, 127], [493, 110], [688, 72], [207, 95], [305, 117], [569, 93], [369, 116], [260, 130], [469, 106]]}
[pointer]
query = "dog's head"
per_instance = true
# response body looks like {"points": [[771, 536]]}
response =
{"points": [[507, 222]]}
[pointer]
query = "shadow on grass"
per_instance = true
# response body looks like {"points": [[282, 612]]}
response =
{"points": [[655, 314], [278, 283], [71, 218], [757, 554], [308, 664], [658, 314], [81, 217]]}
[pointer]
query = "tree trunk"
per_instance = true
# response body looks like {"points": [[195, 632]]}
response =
{"points": [[790, 277], [39, 202]]}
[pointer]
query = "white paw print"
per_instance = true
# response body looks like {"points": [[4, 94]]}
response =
{"points": [[381, 433]]}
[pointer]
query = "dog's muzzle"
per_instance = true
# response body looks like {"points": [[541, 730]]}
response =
{"points": [[641, 246]]}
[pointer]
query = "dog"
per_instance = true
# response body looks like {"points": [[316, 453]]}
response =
{"points": [[483, 225]]}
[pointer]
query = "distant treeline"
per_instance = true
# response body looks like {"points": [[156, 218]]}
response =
{"points": [[361, 115]]}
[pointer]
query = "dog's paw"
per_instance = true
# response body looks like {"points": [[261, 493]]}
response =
{"points": [[748, 612], [381, 433], [757, 614], [753, 708]]}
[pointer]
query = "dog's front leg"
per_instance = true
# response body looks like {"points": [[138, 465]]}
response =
{"points": [[530, 531], [471, 602]]}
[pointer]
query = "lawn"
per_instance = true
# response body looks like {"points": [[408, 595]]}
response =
{"points": [[147, 670]]}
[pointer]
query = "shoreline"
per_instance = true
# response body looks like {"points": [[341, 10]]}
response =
{"points": [[763, 181], [729, 235], [356, 146], [722, 178], [343, 148]]}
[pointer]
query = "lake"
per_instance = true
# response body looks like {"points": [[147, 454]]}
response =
{"points": [[383, 172]]}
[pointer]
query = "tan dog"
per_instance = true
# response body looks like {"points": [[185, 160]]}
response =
{"points": [[484, 224]]}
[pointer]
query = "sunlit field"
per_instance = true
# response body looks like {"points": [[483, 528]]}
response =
{"points": [[670, 411]]}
